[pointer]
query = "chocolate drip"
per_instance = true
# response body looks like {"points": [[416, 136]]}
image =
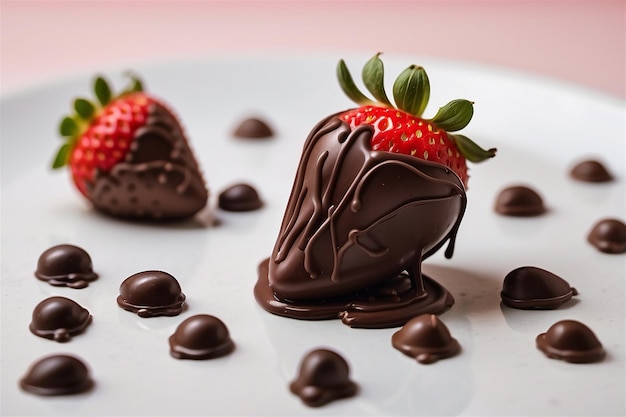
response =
{"points": [[159, 179], [357, 218]]}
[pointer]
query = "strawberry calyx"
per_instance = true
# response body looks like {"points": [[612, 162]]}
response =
{"points": [[74, 125], [411, 92]]}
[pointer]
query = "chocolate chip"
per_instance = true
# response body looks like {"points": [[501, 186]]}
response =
{"points": [[608, 236], [571, 341], [530, 287], [65, 266], [519, 201], [151, 293], [57, 375], [253, 127], [590, 171], [426, 339], [239, 197], [201, 337], [59, 318]]}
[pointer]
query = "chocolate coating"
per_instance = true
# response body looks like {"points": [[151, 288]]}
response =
{"points": [[571, 341], [426, 339], [59, 318], [323, 376], [253, 127], [356, 220], [159, 179], [239, 197], [57, 375], [201, 337], [590, 171], [65, 266], [530, 287], [151, 294], [519, 201], [608, 236]]}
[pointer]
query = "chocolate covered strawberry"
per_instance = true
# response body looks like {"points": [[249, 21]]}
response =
{"points": [[402, 128], [129, 156], [378, 189]]}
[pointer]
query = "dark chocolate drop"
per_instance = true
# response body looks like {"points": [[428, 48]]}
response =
{"points": [[591, 171], [571, 341], [65, 266], [253, 127], [323, 376], [608, 236], [530, 287], [201, 337], [519, 201], [57, 375], [59, 318], [240, 197], [426, 339], [151, 294]]}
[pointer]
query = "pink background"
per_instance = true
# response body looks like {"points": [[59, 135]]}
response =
{"points": [[583, 42]]}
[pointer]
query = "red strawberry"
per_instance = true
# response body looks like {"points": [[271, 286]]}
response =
{"points": [[116, 170], [403, 129]]}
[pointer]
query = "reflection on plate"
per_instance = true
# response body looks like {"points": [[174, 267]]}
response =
{"points": [[541, 129]]}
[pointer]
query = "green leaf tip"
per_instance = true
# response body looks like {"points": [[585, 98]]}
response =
{"points": [[349, 87], [374, 79], [136, 85], [470, 150], [84, 108], [62, 157], [68, 127], [455, 115], [102, 91]]}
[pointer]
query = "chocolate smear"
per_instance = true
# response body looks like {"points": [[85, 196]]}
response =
{"points": [[239, 197], [65, 266], [608, 236], [529, 287], [159, 179], [59, 318], [57, 375], [151, 294], [591, 171], [426, 339], [356, 228], [571, 341], [253, 128], [519, 201], [201, 337], [324, 376]]}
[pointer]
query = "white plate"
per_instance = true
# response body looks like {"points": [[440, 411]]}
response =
{"points": [[541, 128]]}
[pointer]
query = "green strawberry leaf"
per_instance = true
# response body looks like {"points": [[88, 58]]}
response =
{"points": [[135, 84], [455, 115], [411, 90], [62, 157], [68, 127], [374, 77], [349, 88], [84, 108], [102, 90], [470, 150]]}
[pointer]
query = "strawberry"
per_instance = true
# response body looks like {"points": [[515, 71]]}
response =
{"points": [[101, 147], [402, 128]]}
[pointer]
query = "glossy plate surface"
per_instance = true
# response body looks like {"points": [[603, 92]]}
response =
{"points": [[541, 128]]}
